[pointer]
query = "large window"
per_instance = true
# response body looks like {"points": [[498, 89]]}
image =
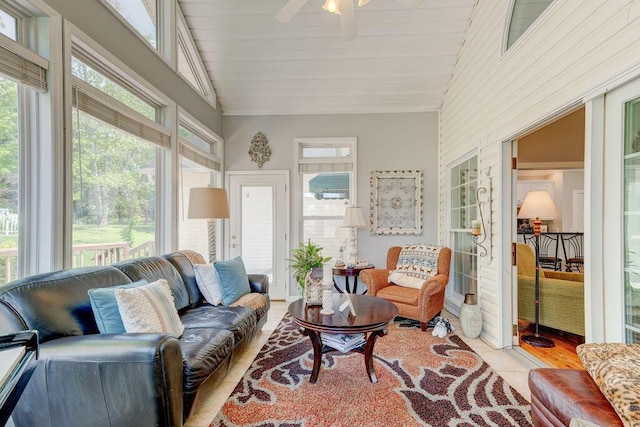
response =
{"points": [[523, 14], [327, 181], [200, 166], [9, 188], [631, 217], [115, 149], [23, 76], [463, 210]]}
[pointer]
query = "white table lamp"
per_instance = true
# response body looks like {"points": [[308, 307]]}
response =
{"points": [[353, 219]]}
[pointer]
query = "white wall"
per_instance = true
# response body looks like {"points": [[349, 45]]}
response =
{"points": [[385, 141], [573, 48]]}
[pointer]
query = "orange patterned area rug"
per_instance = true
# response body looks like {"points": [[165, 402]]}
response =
{"points": [[422, 381]]}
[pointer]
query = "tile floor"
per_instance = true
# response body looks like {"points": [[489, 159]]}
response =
{"points": [[513, 371]]}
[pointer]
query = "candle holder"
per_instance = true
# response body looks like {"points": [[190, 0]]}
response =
{"points": [[479, 228], [327, 302]]}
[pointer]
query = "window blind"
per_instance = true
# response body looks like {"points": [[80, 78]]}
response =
{"points": [[22, 70], [116, 114], [203, 159]]}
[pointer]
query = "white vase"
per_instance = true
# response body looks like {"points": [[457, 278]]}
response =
{"points": [[470, 316]]}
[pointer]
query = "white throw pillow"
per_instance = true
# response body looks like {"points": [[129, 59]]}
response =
{"points": [[209, 283], [401, 279], [149, 308]]}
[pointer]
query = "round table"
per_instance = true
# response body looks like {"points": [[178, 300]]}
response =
{"points": [[373, 316], [350, 272]]}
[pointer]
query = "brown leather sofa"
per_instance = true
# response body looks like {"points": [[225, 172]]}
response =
{"points": [[85, 378], [559, 395]]}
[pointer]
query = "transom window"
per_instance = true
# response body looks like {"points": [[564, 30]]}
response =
{"points": [[141, 15], [8, 25], [523, 14]]}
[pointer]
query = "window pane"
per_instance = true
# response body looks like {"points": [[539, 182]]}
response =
{"points": [[186, 70], [329, 234], [102, 83], [463, 183], [9, 200], [114, 190], [325, 187], [321, 201], [316, 152], [8, 25], [631, 219], [195, 140], [141, 14], [525, 12], [192, 233]]}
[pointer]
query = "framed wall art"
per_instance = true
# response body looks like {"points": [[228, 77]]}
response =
{"points": [[396, 202]]}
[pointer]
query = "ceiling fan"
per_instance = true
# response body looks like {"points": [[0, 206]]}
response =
{"points": [[344, 8]]}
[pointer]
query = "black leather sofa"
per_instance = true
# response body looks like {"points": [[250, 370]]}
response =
{"points": [[84, 378]]}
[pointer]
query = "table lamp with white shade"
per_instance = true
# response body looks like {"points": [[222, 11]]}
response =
{"points": [[539, 205], [208, 203], [353, 219]]}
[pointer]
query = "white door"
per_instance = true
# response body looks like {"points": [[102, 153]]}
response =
{"points": [[258, 224], [622, 213]]}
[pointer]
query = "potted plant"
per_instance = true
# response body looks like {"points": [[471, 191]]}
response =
{"points": [[304, 258]]}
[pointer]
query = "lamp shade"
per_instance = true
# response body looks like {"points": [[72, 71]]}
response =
{"points": [[208, 202], [538, 204], [353, 217]]}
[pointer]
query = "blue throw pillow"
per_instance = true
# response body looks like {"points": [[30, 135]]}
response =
{"points": [[233, 278], [105, 307]]}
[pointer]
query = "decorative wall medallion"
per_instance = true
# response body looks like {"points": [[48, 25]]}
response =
{"points": [[259, 150], [396, 202]]}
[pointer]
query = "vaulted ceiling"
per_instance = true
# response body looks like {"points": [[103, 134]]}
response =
{"points": [[401, 60]]}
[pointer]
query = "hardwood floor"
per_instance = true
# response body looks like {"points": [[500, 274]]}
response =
{"points": [[562, 355]]}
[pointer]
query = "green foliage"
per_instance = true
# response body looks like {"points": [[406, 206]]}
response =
{"points": [[127, 232], [113, 172], [305, 257]]}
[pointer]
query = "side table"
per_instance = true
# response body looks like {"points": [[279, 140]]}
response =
{"points": [[18, 353], [350, 272]]}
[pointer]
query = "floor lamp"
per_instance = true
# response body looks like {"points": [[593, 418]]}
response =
{"points": [[208, 203], [537, 204]]}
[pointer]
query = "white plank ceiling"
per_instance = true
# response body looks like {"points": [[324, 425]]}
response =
{"points": [[401, 60]]}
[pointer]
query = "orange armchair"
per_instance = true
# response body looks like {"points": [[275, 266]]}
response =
{"points": [[418, 304]]}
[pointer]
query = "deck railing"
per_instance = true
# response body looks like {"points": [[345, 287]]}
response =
{"points": [[82, 256]]}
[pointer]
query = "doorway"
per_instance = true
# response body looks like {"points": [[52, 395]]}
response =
{"points": [[258, 224], [550, 159]]}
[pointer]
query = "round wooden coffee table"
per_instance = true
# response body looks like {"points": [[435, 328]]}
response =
{"points": [[373, 316]]}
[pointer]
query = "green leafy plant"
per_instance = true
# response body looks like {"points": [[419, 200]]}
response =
{"points": [[305, 257]]}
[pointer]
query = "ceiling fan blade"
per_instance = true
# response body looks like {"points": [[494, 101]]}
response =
{"points": [[348, 20], [289, 10], [412, 3]]}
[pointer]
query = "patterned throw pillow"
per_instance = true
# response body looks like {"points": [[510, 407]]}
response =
{"points": [[105, 307], [614, 368], [149, 308], [419, 261]]}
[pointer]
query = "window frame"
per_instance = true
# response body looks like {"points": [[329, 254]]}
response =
{"points": [[207, 90], [451, 293], [77, 43], [299, 143], [528, 32]]}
